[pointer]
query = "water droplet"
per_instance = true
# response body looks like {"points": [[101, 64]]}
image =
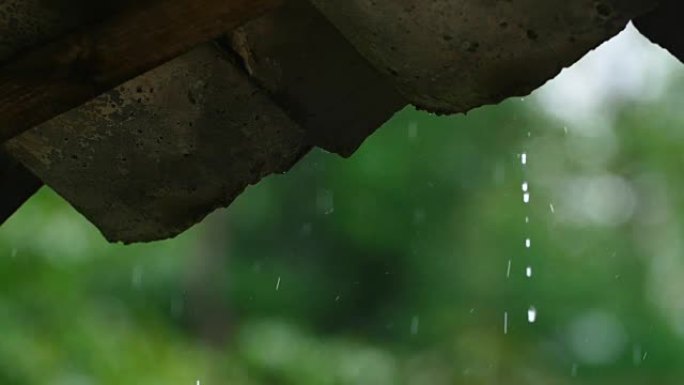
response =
{"points": [[553, 209], [325, 202], [306, 230], [528, 271], [527, 219], [636, 355], [278, 284], [531, 315], [508, 269], [528, 243], [136, 276], [523, 158], [505, 322], [413, 130], [415, 323], [526, 197], [525, 186], [419, 216], [256, 267]]}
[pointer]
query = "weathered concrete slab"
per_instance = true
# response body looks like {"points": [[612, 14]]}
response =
{"points": [[317, 76], [454, 55], [157, 154]]}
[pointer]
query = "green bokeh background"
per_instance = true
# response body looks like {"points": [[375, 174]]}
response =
{"points": [[386, 268]]}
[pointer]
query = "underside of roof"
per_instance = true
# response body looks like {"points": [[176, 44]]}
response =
{"points": [[146, 116]]}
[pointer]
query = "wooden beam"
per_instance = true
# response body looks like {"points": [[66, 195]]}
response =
{"points": [[61, 75]]}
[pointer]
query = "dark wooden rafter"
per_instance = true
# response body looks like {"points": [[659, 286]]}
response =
{"points": [[53, 78], [62, 75]]}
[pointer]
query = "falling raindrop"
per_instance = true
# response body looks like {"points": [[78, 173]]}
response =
{"points": [[325, 202], [278, 284], [136, 276], [419, 216], [525, 187], [636, 355], [553, 209], [413, 130], [508, 269], [415, 323], [306, 230], [505, 322]]}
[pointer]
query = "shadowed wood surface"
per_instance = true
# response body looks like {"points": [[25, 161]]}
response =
{"points": [[663, 26], [64, 74], [313, 72], [16, 185]]}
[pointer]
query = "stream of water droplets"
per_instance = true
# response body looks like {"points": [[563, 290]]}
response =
{"points": [[531, 311]]}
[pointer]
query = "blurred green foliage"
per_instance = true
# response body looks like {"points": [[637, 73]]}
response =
{"points": [[391, 267]]}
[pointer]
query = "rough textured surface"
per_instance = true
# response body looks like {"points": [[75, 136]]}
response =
{"points": [[152, 157], [24, 23], [453, 55], [16, 185], [155, 155], [317, 76], [664, 26], [74, 68]]}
